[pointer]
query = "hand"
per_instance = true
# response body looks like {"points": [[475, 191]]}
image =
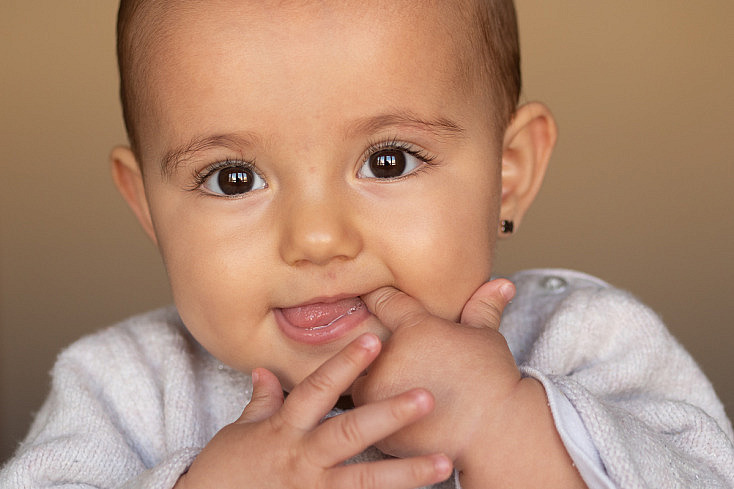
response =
{"points": [[467, 366], [285, 444], [490, 421]]}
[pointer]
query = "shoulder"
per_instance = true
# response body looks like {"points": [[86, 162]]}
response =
{"points": [[555, 282], [151, 353], [150, 350], [147, 335], [122, 399], [572, 324], [138, 372], [544, 292], [574, 308]]}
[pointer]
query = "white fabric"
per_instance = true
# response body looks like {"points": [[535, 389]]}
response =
{"points": [[575, 436], [651, 413], [132, 405]]}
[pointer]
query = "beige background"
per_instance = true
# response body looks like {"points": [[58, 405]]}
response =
{"points": [[639, 193]]}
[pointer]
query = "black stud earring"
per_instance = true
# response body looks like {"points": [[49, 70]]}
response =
{"points": [[507, 227]]}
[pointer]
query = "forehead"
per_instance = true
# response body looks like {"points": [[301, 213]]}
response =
{"points": [[167, 26], [161, 21], [197, 49]]}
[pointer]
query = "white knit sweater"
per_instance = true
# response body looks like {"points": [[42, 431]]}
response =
{"points": [[131, 406]]}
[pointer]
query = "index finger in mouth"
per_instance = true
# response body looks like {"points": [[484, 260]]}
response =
{"points": [[394, 308]]}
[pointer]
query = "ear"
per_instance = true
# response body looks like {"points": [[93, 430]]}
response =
{"points": [[526, 150], [129, 181]]}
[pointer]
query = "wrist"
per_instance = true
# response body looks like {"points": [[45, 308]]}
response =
{"points": [[517, 445]]}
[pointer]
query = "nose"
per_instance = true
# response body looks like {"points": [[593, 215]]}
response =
{"points": [[319, 229]]}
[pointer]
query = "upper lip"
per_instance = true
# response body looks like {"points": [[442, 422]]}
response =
{"points": [[325, 300]]}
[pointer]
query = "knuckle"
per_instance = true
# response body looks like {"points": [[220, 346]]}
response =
{"points": [[297, 468], [489, 311], [492, 308], [350, 432], [366, 479], [258, 397], [299, 461], [382, 301], [320, 382], [277, 424], [412, 318]]}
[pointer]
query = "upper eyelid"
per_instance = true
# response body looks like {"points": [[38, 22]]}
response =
{"points": [[200, 175], [228, 163], [395, 143]]}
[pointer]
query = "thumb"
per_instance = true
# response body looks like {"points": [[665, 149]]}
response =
{"points": [[267, 397], [484, 308]]}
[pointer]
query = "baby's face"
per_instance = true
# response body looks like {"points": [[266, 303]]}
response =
{"points": [[310, 155]]}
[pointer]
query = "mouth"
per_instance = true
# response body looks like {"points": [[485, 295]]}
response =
{"points": [[323, 321]]}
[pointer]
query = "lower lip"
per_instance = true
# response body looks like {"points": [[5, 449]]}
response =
{"points": [[320, 335]]}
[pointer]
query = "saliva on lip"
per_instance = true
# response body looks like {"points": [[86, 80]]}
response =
{"points": [[349, 312]]}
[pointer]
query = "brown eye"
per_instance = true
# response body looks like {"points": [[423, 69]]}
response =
{"points": [[234, 180], [389, 163]]}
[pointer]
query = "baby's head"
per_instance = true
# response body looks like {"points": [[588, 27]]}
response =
{"points": [[291, 156], [484, 34]]}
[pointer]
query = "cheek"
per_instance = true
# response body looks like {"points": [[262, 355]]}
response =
{"points": [[458, 266], [441, 257], [216, 271]]}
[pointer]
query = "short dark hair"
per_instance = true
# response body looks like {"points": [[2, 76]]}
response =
{"points": [[499, 45], [494, 35]]}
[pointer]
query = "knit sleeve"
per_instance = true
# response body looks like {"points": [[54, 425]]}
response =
{"points": [[651, 413], [120, 414]]}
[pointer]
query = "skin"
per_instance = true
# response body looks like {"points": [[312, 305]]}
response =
{"points": [[305, 92]]}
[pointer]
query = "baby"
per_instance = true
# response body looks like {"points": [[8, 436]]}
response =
{"points": [[326, 182]]}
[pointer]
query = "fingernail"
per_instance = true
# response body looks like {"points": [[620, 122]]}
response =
{"points": [[442, 465], [419, 398], [369, 341], [255, 377], [508, 291]]}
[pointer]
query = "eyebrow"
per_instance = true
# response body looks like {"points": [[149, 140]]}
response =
{"points": [[174, 158], [439, 127]]}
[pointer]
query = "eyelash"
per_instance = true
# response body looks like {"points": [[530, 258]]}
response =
{"points": [[394, 143], [201, 177], [373, 147]]}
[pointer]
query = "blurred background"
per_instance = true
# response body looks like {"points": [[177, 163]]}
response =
{"points": [[640, 189]]}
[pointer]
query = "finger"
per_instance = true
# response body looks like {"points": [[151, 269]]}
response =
{"points": [[395, 308], [392, 474], [310, 400], [485, 307], [267, 397], [351, 433]]}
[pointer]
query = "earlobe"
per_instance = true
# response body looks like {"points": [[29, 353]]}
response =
{"points": [[527, 147], [129, 181]]}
